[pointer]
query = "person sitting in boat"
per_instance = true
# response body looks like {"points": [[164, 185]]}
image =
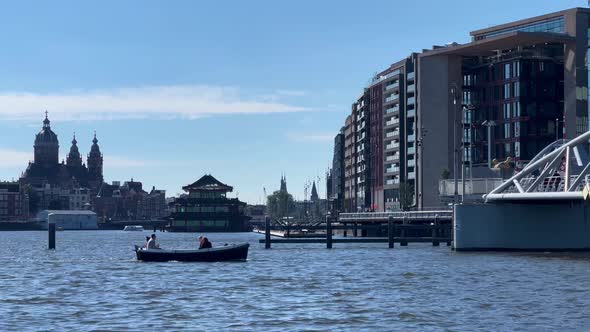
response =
{"points": [[152, 243], [147, 240], [204, 243]]}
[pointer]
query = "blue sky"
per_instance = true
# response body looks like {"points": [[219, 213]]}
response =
{"points": [[244, 90]]}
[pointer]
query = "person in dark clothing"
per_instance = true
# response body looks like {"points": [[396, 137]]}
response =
{"points": [[204, 243]]}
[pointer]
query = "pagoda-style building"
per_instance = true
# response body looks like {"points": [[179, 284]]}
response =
{"points": [[206, 208]]}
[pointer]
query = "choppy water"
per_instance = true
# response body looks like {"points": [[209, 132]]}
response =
{"points": [[92, 282]]}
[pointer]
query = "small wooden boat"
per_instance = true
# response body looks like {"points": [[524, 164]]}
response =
{"points": [[238, 252]]}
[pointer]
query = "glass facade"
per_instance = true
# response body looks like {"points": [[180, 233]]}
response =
{"points": [[555, 24]]}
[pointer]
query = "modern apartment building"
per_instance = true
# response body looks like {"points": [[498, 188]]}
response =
{"points": [[349, 164], [363, 151], [511, 91], [529, 79], [336, 176], [397, 104]]}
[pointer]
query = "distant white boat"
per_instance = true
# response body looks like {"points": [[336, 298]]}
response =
{"points": [[133, 228]]}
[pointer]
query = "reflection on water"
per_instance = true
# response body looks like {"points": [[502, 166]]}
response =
{"points": [[93, 282]]}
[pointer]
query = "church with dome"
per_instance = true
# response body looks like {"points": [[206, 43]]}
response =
{"points": [[47, 171]]}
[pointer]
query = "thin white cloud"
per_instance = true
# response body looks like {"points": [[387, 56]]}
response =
{"points": [[162, 102], [310, 137], [12, 158]]}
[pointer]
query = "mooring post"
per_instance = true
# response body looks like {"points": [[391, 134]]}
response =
{"points": [[51, 231], [403, 241], [390, 231], [354, 231], [267, 232], [328, 232], [435, 242], [449, 234]]}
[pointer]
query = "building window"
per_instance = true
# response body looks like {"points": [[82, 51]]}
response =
{"points": [[506, 90], [507, 130], [506, 70]]}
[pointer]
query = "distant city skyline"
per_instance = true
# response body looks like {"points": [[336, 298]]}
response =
{"points": [[245, 92]]}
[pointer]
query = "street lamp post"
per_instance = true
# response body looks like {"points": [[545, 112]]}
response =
{"points": [[489, 124], [420, 162], [455, 94]]}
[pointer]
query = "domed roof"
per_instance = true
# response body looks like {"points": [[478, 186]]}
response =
{"points": [[46, 135]]}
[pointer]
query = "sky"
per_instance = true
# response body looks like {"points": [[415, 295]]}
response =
{"points": [[243, 90]]}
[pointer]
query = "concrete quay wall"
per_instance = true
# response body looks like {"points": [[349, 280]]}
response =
{"points": [[557, 225]]}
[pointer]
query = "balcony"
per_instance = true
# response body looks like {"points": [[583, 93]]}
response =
{"points": [[392, 146], [411, 163], [411, 100], [394, 157], [412, 150], [393, 121], [392, 170], [392, 110], [411, 88], [410, 76], [392, 133], [392, 98], [392, 86], [392, 181], [411, 113], [411, 175], [412, 138]]}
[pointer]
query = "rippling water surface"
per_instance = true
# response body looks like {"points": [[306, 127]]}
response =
{"points": [[92, 282]]}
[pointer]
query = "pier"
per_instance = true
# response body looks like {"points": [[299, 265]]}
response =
{"points": [[378, 227]]}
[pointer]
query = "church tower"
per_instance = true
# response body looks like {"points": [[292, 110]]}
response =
{"points": [[46, 146], [74, 159], [95, 162], [283, 184], [314, 193]]}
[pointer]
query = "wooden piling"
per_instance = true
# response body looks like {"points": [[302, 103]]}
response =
{"points": [[435, 243], [403, 241], [51, 231], [354, 231], [267, 232], [328, 232], [390, 231]]}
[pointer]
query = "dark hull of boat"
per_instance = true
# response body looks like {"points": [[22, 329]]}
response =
{"points": [[219, 254]]}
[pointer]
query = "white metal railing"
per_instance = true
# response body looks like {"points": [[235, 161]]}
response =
{"points": [[408, 215]]}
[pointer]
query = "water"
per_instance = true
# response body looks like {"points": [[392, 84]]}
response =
{"points": [[92, 282]]}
